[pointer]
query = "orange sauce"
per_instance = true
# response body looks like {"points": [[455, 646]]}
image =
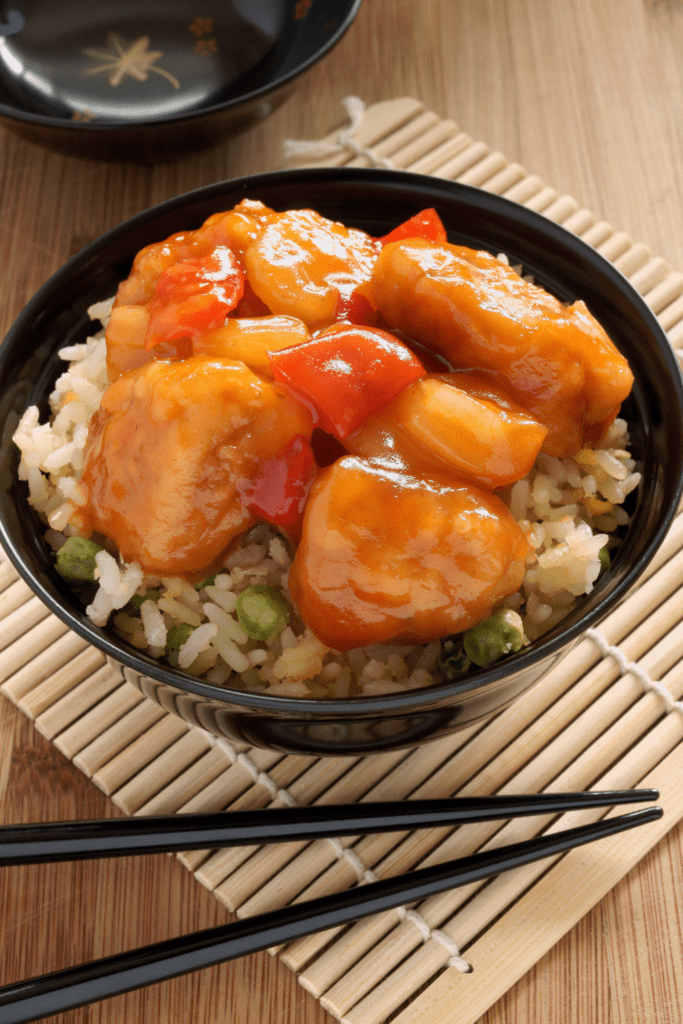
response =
{"points": [[402, 539], [386, 555], [169, 452], [555, 360]]}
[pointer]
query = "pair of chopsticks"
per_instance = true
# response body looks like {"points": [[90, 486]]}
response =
{"points": [[47, 994]]}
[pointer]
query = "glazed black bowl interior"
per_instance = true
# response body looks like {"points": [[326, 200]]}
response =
{"points": [[149, 80], [375, 201]]}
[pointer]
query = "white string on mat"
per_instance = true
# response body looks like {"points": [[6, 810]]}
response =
{"points": [[259, 778], [627, 667], [364, 874], [355, 108]]}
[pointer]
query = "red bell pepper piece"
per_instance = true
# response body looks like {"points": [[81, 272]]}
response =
{"points": [[346, 373], [194, 295], [278, 493], [356, 309], [426, 224]]}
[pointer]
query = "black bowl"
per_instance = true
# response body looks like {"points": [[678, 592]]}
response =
{"points": [[375, 201], [147, 81]]}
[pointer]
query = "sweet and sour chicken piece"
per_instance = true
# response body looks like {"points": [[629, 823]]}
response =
{"points": [[182, 286], [234, 229], [304, 265], [460, 421], [169, 453], [555, 360], [386, 555]]}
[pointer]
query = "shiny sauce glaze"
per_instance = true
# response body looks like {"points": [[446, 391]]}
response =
{"points": [[169, 451], [387, 555], [555, 360], [239, 355]]}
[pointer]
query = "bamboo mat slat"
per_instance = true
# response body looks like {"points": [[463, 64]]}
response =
{"points": [[608, 716]]}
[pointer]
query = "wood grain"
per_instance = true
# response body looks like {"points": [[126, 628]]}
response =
{"points": [[588, 94]]}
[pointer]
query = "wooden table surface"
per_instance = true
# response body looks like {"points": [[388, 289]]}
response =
{"points": [[589, 95]]}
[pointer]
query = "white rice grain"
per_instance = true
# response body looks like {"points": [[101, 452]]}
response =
{"points": [[230, 652], [420, 678], [611, 491], [189, 598], [397, 666], [248, 556], [101, 608], [71, 489], [100, 311], [74, 353], [519, 498], [197, 641], [223, 581], [86, 391], [61, 516], [225, 623], [287, 638], [220, 673], [225, 599], [374, 670], [380, 687], [278, 552], [153, 623], [109, 572], [60, 457], [630, 483], [613, 467], [179, 612], [429, 656]]}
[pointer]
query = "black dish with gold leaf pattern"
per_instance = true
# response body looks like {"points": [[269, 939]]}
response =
{"points": [[148, 81]]}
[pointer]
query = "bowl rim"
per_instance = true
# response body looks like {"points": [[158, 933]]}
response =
{"points": [[366, 706], [22, 116]]}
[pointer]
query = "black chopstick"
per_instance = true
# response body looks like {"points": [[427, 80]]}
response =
{"points": [[48, 994], [118, 837]]}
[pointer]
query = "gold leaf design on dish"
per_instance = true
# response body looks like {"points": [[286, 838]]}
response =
{"points": [[201, 27], [82, 115], [135, 60], [206, 46]]}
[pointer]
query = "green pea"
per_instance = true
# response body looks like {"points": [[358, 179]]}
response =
{"points": [[453, 661], [177, 635], [488, 641], [262, 612], [76, 560], [137, 600], [605, 560]]}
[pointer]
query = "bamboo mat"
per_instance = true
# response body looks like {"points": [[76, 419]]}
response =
{"points": [[609, 716]]}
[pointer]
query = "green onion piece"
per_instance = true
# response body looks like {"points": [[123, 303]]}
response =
{"points": [[76, 560], [177, 635], [208, 582], [262, 612], [605, 560], [453, 661], [488, 641]]}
